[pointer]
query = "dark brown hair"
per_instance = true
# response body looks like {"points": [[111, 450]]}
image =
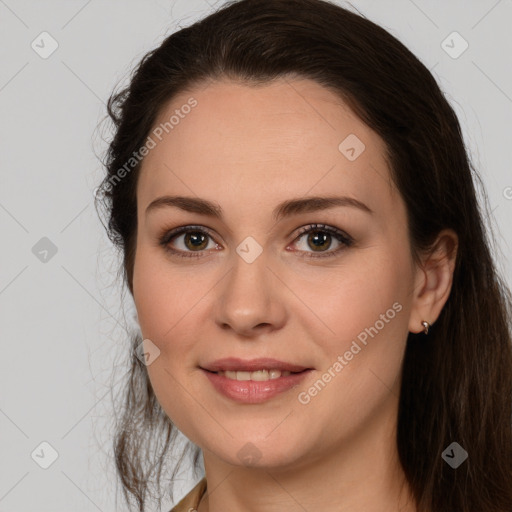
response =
{"points": [[457, 382]]}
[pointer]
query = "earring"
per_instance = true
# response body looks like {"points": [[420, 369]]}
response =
{"points": [[426, 325]]}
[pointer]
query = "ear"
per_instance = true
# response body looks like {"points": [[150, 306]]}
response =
{"points": [[433, 281]]}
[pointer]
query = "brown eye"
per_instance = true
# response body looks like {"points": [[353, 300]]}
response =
{"points": [[319, 240], [195, 240], [188, 241]]}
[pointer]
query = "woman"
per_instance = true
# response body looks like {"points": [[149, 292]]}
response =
{"points": [[319, 311]]}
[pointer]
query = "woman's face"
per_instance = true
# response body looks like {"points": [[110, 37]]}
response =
{"points": [[337, 301]]}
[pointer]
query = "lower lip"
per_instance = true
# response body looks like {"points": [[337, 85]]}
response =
{"points": [[252, 391]]}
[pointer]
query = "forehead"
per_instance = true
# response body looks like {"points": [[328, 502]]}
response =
{"points": [[246, 143]]}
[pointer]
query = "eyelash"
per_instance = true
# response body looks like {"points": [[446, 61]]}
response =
{"points": [[322, 228]]}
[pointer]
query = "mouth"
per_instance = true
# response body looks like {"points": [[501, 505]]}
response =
{"points": [[257, 375], [254, 381], [252, 365]]}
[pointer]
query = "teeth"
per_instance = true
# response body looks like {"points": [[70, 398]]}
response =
{"points": [[259, 375]]}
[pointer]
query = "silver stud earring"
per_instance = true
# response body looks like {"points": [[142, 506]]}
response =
{"points": [[426, 325]]}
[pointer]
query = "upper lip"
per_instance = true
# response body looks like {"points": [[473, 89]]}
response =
{"points": [[236, 364]]}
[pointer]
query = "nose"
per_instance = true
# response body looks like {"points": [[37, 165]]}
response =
{"points": [[249, 299]]}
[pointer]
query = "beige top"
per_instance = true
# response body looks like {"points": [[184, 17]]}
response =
{"points": [[191, 501]]}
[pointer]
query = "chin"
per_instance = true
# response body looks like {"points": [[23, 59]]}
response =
{"points": [[262, 453]]}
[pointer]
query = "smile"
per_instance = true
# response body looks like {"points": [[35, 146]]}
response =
{"points": [[254, 387], [258, 375]]}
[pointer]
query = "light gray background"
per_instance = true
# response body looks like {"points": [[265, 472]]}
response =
{"points": [[59, 319]]}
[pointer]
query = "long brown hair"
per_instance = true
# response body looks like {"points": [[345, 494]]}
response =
{"points": [[457, 382]]}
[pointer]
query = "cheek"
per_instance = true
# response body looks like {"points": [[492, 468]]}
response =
{"points": [[168, 301], [162, 303], [368, 297], [366, 312], [156, 296]]}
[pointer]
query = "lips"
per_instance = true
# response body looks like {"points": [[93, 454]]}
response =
{"points": [[264, 363], [254, 391]]}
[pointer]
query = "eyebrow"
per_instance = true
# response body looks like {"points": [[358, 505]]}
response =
{"points": [[284, 209]]}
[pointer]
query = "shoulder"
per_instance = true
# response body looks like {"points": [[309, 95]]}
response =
{"points": [[190, 502]]}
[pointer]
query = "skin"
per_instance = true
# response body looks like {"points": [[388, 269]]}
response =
{"points": [[247, 149]]}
